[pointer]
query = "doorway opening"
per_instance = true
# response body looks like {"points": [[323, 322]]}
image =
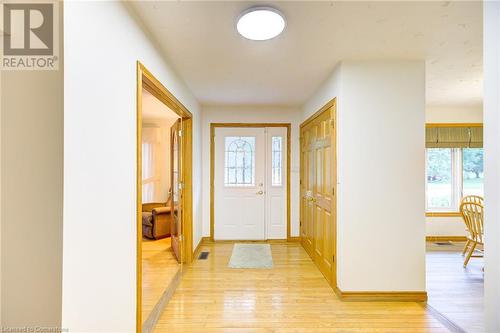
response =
{"points": [[455, 212], [318, 181], [164, 196], [250, 186]]}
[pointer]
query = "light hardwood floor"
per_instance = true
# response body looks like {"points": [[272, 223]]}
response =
{"points": [[291, 297], [159, 267], [454, 291]]}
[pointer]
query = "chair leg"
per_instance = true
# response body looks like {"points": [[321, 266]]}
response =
{"points": [[466, 246], [471, 251]]}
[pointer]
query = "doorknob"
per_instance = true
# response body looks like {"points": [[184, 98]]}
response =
{"points": [[260, 192]]}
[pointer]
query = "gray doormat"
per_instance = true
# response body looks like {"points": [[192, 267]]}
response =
{"points": [[251, 256]]}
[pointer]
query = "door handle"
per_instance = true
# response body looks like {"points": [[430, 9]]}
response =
{"points": [[260, 192]]}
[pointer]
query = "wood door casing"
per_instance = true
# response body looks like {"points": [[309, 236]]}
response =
{"points": [[147, 81], [307, 182], [318, 181]]}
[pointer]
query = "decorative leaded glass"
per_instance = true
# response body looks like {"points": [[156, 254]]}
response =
{"points": [[239, 167], [277, 151]]}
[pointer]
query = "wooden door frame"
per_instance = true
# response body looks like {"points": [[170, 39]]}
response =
{"points": [[213, 126], [146, 80], [331, 104]]}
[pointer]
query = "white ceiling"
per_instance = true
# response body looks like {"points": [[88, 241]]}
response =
{"points": [[200, 41]]}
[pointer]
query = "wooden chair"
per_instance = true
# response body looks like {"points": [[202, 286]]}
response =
{"points": [[475, 199], [473, 215]]}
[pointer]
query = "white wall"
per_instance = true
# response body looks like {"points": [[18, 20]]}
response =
{"points": [[250, 114], [1, 200], [454, 114], [492, 164], [99, 270], [435, 226], [32, 183], [329, 89], [31, 196], [444, 226], [450, 226], [380, 124]]}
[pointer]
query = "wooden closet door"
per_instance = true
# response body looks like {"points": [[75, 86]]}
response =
{"points": [[306, 189], [323, 195], [318, 191]]}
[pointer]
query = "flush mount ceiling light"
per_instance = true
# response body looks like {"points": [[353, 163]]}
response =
{"points": [[260, 23]]}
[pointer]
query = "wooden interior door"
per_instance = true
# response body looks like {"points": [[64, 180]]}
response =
{"points": [[176, 183], [318, 180]]}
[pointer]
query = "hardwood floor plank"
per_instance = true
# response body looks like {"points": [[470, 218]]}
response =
{"points": [[291, 297], [159, 267], [456, 292]]}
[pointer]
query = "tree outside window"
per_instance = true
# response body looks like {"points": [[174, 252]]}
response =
{"points": [[453, 173], [473, 173]]}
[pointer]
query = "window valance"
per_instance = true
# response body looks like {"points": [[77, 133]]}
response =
{"points": [[454, 136]]}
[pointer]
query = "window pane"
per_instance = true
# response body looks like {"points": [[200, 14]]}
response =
{"points": [[473, 174], [239, 167], [276, 154], [147, 160], [147, 192], [148, 185], [439, 178]]}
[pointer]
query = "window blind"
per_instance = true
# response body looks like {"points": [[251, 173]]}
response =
{"points": [[454, 137]]}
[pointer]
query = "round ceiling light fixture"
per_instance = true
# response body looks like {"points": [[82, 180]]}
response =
{"points": [[260, 23]]}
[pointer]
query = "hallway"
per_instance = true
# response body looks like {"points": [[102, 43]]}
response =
{"points": [[415, 86], [291, 297]]}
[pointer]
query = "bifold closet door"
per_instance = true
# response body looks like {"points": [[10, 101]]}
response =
{"points": [[318, 191], [306, 189]]}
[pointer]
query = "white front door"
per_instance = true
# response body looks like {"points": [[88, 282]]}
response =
{"points": [[250, 183]]}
